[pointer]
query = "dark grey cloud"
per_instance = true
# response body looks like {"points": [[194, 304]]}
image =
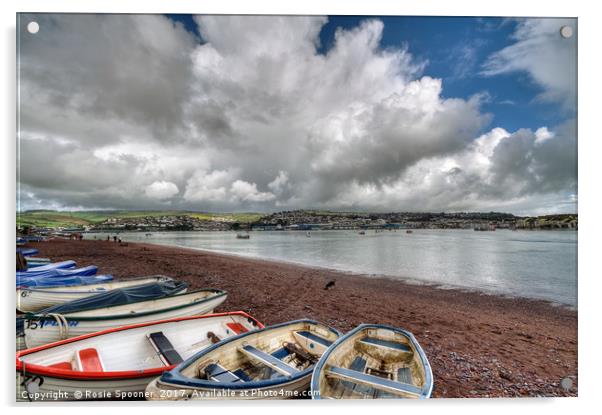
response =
{"points": [[125, 111]]}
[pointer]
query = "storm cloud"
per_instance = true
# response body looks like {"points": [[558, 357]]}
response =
{"points": [[134, 111]]}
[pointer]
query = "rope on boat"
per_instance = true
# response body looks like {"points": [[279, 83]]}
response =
{"points": [[62, 323]]}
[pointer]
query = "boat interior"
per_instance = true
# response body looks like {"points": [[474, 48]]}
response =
{"points": [[373, 363], [277, 352], [147, 347]]}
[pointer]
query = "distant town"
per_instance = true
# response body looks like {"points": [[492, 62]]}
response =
{"points": [[301, 220]]}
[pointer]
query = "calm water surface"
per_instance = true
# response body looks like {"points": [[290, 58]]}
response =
{"points": [[536, 264]]}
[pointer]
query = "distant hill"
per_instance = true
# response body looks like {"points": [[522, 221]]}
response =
{"points": [[54, 219]]}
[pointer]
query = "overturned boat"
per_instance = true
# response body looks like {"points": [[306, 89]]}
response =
{"points": [[122, 360], [61, 322], [373, 361], [33, 299], [275, 362]]}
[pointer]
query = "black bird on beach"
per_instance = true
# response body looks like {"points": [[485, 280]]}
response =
{"points": [[329, 285]]}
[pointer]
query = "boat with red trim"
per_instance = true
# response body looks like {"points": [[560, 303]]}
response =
{"points": [[121, 360]]}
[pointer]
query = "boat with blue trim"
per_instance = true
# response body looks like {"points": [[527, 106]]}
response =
{"points": [[373, 361], [273, 363]]}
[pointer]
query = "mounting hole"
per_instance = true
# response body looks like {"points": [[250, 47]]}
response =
{"points": [[566, 383], [33, 27], [566, 32]]}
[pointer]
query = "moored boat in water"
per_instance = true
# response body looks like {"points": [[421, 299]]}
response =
{"points": [[124, 359], [275, 362], [373, 361]]}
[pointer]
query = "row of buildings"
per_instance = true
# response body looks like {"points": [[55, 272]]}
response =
{"points": [[303, 220]]}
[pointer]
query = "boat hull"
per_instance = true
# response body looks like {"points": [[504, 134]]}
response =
{"points": [[129, 362], [57, 389], [33, 299], [40, 332], [156, 390]]}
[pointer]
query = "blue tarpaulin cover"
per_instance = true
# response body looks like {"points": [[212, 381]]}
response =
{"points": [[27, 251], [111, 298], [41, 282], [120, 296], [24, 277], [48, 267]]}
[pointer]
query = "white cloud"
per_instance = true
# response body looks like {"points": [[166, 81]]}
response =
{"points": [[161, 190], [246, 191], [280, 183], [208, 187], [256, 119], [545, 55]]}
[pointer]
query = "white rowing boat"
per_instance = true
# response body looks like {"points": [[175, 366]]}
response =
{"points": [[44, 329], [122, 360], [272, 363], [373, 361], [34, 299]]}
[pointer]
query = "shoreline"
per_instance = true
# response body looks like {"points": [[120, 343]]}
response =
{"points": [[478, 344], [394, 278], [401, 278]]}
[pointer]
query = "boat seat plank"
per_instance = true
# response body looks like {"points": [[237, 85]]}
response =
{"points": [[374, 341], [269, 360], [242, 375], [375, 382], [281, 353], [359, 365], [89, 360], [313, 337], [163, 346], [220, 374]]}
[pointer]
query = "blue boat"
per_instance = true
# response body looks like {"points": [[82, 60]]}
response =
{"points": [[27, 251], [33, 262], [48, 267], [24, 278], [69, 280]]}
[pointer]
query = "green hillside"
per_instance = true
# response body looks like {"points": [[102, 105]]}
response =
{"points": [[53, 218]]}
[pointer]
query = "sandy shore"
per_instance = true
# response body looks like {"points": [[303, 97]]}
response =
{"points": [[478, 345]]}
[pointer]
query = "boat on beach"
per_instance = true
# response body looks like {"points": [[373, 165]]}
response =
{"points": [[50, 326], [124, 359], [33, 261], [373, 361], [275, 362], [33, 299], [49, 267], [30, 278], [27, 251], [63, 281]]}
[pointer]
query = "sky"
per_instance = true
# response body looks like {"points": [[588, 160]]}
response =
{"points": [[271, 113]]}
